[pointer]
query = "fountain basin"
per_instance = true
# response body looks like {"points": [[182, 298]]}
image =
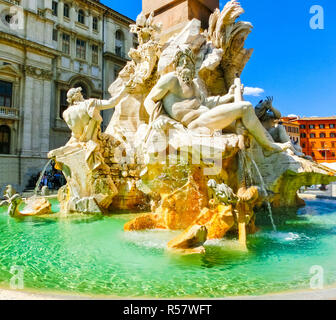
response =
{"points": [[92, 255]]}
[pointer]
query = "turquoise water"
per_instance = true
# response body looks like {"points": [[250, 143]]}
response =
{"points": [[92, 255]]}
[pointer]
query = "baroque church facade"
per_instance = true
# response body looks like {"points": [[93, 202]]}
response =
{"points": [[47, 47]]}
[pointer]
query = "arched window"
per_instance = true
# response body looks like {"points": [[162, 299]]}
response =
{"points": [[119, 43], [81, 16], [5, 139]]}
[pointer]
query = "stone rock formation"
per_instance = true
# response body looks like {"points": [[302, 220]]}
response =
{"points": [[36, 207], [190, 241]]}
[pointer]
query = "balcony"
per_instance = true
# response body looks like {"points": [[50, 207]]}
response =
{"points": [[9, 113]]}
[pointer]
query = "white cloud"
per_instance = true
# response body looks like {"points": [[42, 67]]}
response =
{"points": [[255, 92], [293, 116]]}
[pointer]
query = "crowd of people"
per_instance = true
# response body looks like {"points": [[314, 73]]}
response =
{"points": [[52, 178]]}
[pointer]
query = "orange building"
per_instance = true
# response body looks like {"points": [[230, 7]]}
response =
{"points": [[292, 128], [318, 137]]}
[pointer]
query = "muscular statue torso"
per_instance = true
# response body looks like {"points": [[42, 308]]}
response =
{"points": [[77, 118], [182, 101]]}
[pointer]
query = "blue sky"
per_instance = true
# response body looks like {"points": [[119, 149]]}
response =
{"points": [[292, 62]]}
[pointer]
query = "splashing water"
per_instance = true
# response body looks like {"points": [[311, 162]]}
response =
{"points": [[263, 188], [40, 178]]}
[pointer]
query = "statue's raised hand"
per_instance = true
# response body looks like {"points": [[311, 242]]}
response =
{"points": [[160, 124], [232, 89]]}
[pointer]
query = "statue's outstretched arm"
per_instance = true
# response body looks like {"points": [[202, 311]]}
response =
{"points": [[111, 103]]}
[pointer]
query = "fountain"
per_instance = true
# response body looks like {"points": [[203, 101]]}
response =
{"points": [[180, 121], [181, 147]]}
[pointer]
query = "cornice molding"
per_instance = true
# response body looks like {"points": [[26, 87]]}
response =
{"points": [[13, 39]]}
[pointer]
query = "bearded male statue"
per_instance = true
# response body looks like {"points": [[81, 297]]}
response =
{"points": [[181, 98]]}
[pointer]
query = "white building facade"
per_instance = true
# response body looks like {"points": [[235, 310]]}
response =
{"points": [[47, 47]]}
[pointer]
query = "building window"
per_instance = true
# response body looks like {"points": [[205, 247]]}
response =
{"points": [[313, 145], [66, 43], [6, 91], [312, 135], [94, 54], [55, 35], [54, 8], [116, 72], [81, 49], [323, 153], [63, 102], [303, 135], [322, 135], [95, 23], [81, 16], [333, 144], [332, 135], [331, 126], [119, 44], [312, 126], [322, 144], [5, 139], [321, 126], [302, 126], [303, 145], [313, 154], [66, 10]]}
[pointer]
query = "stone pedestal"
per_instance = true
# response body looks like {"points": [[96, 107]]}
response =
{"points": [[175, 14]]}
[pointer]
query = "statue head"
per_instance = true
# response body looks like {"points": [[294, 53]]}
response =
{"points": [[74, 95], [184, 62]]}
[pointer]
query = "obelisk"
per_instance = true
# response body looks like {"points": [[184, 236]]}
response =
{"points": [[175, 14]]}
